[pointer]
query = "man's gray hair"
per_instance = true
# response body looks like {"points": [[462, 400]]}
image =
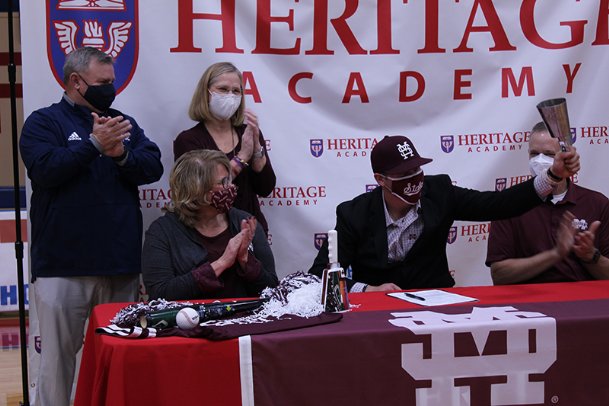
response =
{"points": [[78, 61]]}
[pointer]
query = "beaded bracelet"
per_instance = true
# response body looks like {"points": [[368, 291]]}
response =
{"points": [[242, 164]]}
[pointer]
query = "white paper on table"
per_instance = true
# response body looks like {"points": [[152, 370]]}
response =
{"points": [[433, 297]]}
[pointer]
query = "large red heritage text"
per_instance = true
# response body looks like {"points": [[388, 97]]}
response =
{"points": [[483, 19]]}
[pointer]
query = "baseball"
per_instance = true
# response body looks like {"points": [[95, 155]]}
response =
{"points": [[187, 318]]}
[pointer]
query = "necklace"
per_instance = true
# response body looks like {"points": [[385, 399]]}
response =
{"points": [[232, 137], [222, 144]]}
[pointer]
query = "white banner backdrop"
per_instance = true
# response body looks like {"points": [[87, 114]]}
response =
{"points": [[341, 74], [9, 297]]}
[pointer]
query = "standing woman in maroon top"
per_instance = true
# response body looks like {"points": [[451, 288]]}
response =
{"points": [[225, 124]]}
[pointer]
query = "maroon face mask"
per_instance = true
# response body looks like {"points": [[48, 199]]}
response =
{"points": [[223, 199], [407, 188]]}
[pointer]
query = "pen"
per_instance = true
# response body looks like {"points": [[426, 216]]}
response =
{"points": [[412, 296]]}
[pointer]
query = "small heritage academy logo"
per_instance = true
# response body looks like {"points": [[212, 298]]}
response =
{"points": [[38, 344], [447, 142], [487, 142], [108, 25], [500, 184], [318, 239], [317, 147], [452, 235], [349, 147]]}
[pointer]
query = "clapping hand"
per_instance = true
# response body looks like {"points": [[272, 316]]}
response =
{"points": [[248, 230], [250, 141], [565, 236], [251, 120], [584, 242], [237, 247], [110, 133], [229, 256]]}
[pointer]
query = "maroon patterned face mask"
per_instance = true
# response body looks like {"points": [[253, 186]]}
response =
{"points": [[408, 188], [223, 199]]}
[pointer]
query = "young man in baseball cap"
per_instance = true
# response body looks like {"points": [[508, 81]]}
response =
{"points": [[394, 237]]}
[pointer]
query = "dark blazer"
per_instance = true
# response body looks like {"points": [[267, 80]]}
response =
{"points": [[362, 233]]}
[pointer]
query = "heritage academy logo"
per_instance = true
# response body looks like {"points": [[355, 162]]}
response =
{"points": [[108, 25], [472, 233], [487, 342], [448, 143], [302, 195], [38, 344], [319, 239], [343, 147], [154, 198], [317, 147], [452, 235], [504, 183], [500, 184], [485, 143]]}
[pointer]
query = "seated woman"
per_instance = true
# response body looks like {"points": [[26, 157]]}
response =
{"points": [[202, 247]]}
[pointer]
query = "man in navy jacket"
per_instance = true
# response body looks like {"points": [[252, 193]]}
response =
{"points": [[394, 237], [85, 161]]}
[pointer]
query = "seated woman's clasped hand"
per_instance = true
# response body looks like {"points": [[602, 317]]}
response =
{"points": [[238, 247]]}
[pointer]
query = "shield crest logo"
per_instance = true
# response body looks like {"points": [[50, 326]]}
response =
{"points": [[500, 184], [319, 239], [317, 147], [447, 142], [108, 25], [37, 344], [573, 134], [452, 235]]}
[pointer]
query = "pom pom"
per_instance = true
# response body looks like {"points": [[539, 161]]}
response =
{"points": [[297, 294], [130, 316]]}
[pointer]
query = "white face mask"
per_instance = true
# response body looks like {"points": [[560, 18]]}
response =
{"points": [[223, 106], [539, 164]]}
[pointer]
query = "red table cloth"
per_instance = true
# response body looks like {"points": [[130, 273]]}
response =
{"points": [[548, 340]]}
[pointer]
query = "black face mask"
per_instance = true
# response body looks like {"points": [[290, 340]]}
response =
{"points": [[99, 96]]}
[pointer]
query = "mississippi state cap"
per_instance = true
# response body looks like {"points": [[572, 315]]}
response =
{"points": [[395, 154]]}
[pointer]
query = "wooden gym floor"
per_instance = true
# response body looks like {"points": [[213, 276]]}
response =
{"points": [[10, 361]]}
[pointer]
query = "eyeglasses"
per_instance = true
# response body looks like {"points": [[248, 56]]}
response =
{"points": [[225, 90], [225, 182]]}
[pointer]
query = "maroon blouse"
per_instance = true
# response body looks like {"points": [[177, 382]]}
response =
{"points": [[250, 184]]}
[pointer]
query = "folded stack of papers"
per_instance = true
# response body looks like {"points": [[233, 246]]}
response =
{"points": [[433, 297]]}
